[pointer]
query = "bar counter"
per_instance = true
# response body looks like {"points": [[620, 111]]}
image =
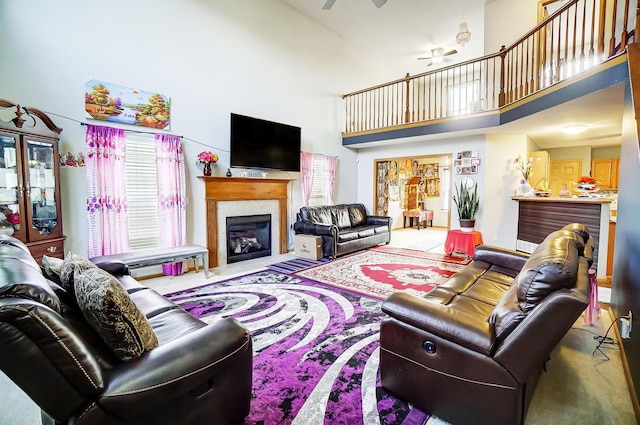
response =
{"points": [[539, 216]]}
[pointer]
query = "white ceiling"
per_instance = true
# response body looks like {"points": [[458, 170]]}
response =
{"points": [[402, 30]]}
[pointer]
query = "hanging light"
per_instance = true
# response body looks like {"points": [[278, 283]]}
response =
{"points": [[463, 35]]}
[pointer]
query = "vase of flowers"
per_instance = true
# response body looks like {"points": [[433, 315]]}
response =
{"points": [[207, 158], [526, 169]]}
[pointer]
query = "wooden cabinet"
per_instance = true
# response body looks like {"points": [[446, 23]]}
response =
{"points": [[30, 180], [606, 172], [540, 169]]}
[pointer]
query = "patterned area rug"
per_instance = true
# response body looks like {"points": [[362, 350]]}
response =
{"points": [[381, 271], [422, 254], [316, 349], [295, 265]]}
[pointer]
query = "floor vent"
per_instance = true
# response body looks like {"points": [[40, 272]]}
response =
{"points": [[525, 246]]}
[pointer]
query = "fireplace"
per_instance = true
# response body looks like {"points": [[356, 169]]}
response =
{"points": [[248, 237]]}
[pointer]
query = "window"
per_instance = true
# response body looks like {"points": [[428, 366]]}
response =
{"points": [[318, 190], [142, 193], [464, 98]]}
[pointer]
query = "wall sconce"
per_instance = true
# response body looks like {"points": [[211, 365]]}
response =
{"points": [[574, 129], [463, 35]]}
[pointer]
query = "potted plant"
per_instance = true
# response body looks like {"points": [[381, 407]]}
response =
{"points": [[467, 202]]}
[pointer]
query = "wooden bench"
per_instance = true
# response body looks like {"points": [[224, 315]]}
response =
{"points": [[422, 216], [158, 256]]}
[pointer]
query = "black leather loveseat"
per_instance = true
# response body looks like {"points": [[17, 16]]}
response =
{"points": [[191, 373], [344, 228], [471, 350]]}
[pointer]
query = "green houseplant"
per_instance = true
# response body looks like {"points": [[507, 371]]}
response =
{"points": [[467, 202]]}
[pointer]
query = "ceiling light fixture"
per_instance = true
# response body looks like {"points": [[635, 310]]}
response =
{"points": [[437, 55], [574, 129], [463, 35]]}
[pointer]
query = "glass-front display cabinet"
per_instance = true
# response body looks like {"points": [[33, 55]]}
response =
{"points": [[29, 180]]}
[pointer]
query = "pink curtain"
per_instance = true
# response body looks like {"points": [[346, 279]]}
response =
{"points": [[172, 196], [306, 168], [106, 191], [330, 163]]}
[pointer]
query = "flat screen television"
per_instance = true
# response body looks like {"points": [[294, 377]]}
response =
{"points": [[262, 144]]}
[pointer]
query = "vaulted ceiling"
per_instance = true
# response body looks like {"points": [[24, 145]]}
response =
{"points": [[402, 30]]}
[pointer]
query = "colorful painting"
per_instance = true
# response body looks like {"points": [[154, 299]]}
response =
{"points": [[124, 105]]}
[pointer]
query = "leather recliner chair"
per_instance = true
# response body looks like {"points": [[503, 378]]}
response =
{"points": [[471, 351], [199, 373]]}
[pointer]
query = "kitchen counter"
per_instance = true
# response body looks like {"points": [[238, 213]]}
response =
{"points": [[572, 199]]}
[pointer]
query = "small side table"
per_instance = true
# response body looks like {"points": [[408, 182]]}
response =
{"points": [[421, 216], [462, 242]]}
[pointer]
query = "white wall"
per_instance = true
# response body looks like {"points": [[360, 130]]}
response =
{"points": [[501, 224], [505, 21], [211, 58]]}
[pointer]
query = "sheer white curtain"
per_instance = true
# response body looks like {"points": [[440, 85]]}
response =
{"points": [[106, 192], [306, 169], [172, 195]]}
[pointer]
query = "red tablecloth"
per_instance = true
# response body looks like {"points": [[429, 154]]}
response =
{"points": [[463, 242]]}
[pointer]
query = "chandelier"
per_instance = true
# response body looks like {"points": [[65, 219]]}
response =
{"points": [[463, 35]]}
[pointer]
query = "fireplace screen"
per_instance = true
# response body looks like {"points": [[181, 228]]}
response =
{"points": [[248, 237]]}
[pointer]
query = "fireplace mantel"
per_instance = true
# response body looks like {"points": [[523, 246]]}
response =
{"points": [[243, 189]]}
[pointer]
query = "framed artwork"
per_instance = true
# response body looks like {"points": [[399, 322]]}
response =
{"points": [[466, 162], [124, 105]]}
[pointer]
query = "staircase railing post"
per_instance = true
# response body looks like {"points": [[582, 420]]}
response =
{"points": [[501, 95], [406, 101]]}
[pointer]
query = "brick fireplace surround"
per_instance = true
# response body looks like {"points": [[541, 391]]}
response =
{"points": [[222, 189]]}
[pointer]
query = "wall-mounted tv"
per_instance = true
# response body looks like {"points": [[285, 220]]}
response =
{"points": [[262, 144]]}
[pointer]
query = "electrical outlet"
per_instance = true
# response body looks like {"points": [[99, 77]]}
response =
{"points": [[630, 321], [625, 328]]}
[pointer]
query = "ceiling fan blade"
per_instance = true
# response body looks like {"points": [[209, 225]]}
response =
{"points": [[328, 4], [379, 3], [424, 58], [450, 52]]}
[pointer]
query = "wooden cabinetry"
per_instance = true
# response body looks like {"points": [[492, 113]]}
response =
{"points": [[30, 180], [606, 172]]}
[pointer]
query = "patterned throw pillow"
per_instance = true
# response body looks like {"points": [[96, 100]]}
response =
{"points": [[72, 261], [110, 311], [51, 267]]}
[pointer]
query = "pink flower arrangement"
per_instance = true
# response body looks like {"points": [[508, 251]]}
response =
{"points": [[207, 157]]}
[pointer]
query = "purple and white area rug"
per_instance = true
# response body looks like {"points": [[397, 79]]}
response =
{"points": [[315, 349]]}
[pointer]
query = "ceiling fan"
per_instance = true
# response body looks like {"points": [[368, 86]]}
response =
{"points": [[329, 4], [438, 55]]}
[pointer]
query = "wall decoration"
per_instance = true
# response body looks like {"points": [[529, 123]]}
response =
{"points": [[124, 105], [466, 162], [431, 179]]}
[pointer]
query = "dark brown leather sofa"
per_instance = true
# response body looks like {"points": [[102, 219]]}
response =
{"points": [[344, 228], [199, 373], [471, 351]]}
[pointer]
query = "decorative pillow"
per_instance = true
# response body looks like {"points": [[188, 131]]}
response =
{"points": [[67, 270], [51, 267], [113, 314]]}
